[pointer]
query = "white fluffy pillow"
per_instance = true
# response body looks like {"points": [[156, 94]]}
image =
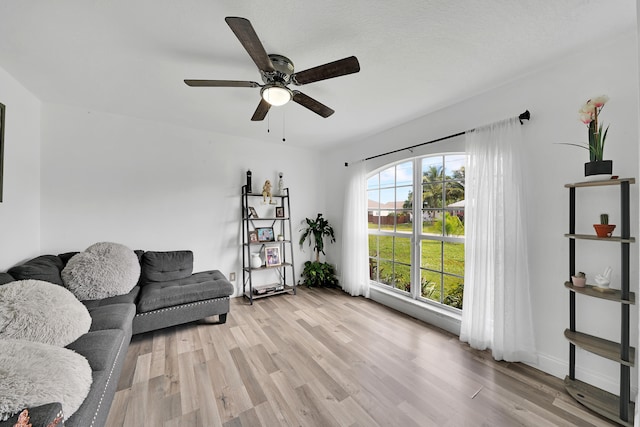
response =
{"points": [[33, 374], [103, 270], [40, 311]]}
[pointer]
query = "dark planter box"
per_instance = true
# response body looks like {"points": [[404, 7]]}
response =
{"points": [[603, 167]]}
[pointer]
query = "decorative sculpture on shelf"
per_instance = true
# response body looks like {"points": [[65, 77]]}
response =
{"points": [[603, 280], [266, 192]]}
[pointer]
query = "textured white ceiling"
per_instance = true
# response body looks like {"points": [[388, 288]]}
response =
{"points": [[131, 56]]}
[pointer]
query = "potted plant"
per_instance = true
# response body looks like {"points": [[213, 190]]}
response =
{"points": [[316, 273], [604, 229], [579, 280], [589, 114]]}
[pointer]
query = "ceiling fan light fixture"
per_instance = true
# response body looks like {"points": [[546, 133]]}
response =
{"points": [[276, 95]]}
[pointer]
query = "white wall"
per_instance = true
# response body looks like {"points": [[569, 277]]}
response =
{"points": [[553, 95], [20, 209], [154, 186]]}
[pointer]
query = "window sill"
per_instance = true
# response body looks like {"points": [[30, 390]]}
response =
{"points": [[436, 316]]}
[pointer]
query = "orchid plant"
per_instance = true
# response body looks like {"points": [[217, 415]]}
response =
{"points": [[588, 114]]}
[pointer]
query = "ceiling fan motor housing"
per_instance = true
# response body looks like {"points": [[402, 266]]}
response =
{"points": [[283, 69]]}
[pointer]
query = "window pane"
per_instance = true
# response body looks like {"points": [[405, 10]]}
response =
{"points": [[402, 250], [373, 182], [403, 222], [429, 218], [453, 291], [388, 198], [451, 225], [374, 219], [404, 197], [431, 255], [432, 169], [431, 283], [388, 177], [385, 272], [404, 174], [454, 166], [454, 258], [432, 195], [373, 197], [402, 277], [454, 193], [385, 247], [387, 220], [373, 245]]}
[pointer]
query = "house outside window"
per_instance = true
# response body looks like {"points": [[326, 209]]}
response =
{"points": [[417, 249]]}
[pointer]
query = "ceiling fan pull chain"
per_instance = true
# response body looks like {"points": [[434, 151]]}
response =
{"points": [[283, 127]]}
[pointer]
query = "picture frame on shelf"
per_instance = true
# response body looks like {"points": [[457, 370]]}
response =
{"points": [[272, 256], [265, 234], [253, 213], [279, 212], [253, 236]]}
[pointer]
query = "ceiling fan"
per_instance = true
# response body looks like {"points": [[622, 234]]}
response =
{"points": [[278, 73]]}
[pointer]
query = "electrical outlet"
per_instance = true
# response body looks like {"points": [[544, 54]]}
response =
{"points": [[232, 276]]}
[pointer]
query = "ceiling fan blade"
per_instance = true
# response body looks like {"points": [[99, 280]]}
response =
{"points": [[333, 69], [261, 111], [312, 104], [220, 83], [244, 31]]}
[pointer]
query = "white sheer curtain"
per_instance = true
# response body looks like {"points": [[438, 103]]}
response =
{"points": [[497, 308], [355, 270]]}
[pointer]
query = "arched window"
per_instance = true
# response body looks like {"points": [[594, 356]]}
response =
{"points": [[419, 243]]}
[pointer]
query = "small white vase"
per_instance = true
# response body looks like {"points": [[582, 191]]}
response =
{"points": [[256, 261]]}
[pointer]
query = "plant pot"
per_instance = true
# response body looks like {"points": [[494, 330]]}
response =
{"points": [[578, 282], [604, 230], [598, 169]]}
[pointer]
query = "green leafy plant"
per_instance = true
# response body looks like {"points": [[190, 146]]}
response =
{"points": [[316, 273], [318, 229], [319, 274]]}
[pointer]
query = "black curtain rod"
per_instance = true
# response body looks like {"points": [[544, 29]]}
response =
{"points": [[524, 116]]}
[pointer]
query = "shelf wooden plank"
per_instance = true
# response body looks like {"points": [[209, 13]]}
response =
{"points": [[598, 400], [609, 294], [606, 239], [286, 290], [600, 182], [605, 348]]}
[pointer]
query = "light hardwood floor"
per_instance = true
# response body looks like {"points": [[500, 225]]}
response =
{"points": [[323, 358]]}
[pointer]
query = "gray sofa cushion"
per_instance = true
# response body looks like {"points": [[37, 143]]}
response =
{"points": [[113, 316], [197, 287], [164, 266], [46, 268], [129, 298], [99, 347]]}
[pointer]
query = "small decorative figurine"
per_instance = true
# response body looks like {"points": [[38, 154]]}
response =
{"points": [[280, 184], [603, 280], [266, 191]]}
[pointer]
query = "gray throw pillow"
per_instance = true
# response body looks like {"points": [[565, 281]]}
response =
{"points": [[103, 270], [39, 311], [33, 374]]}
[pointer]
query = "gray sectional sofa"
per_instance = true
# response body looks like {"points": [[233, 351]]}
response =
{"points": [[167, 294]]}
